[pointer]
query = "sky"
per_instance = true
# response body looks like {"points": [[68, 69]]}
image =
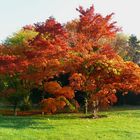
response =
{"points": [[15, 14]]}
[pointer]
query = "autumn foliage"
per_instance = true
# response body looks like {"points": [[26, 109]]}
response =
{"points": [[61, 94], [72, 48]]}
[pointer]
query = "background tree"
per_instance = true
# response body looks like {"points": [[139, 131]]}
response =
{"points": [[134, 43], [21, 38], [14, 92]]}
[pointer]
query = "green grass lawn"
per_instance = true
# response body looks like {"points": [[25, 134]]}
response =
{"points": [[120, 124]]}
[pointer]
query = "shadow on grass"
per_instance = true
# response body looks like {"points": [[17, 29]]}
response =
{"points": [[64, 116], [125, 111], [23, 122], [92, 117], [34, 122], [124, 108]]}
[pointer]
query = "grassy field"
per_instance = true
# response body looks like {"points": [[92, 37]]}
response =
{"points": [[120, 124]]}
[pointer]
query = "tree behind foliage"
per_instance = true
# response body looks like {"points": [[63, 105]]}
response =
{"points": [[13, 92], [20, 39], [128, 47], [134, 43]]}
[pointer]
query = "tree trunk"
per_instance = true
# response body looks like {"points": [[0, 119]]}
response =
{"points": [[86, 106], [43, 113], [43, 99], [15, 110], [95, 109]]}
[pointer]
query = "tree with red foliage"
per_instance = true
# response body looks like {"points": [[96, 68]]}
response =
{"points": [[75, 48], [99, 71]]}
